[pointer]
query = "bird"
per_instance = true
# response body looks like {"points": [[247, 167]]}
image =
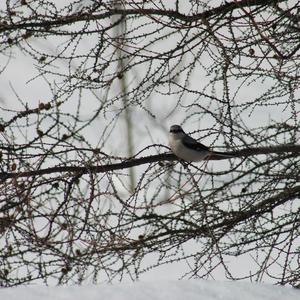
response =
{"points": [[188, 149]]}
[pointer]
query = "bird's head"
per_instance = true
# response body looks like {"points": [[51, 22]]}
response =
{"points": [[176, 131]]}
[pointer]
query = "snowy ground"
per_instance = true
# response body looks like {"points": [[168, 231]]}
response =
{"points": [[170, 290]]}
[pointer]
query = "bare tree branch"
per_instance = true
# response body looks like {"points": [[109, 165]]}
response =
{"points": [[149, 159]]}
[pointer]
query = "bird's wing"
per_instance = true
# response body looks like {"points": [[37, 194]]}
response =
{"points": [[193, 144]]}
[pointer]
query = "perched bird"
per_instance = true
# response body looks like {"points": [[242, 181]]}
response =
{"points": [[188, 149]]}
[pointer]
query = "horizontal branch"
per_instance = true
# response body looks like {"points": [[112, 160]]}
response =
{"points": [[129, 163], [172, 14]]}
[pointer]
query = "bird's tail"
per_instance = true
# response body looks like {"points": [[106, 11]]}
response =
{"points": [[221, 155]]}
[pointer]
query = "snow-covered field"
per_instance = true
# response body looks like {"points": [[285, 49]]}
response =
{"points": [[163, 290]]}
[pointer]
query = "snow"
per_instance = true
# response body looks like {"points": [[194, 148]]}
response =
{"points": [[158, 290]]}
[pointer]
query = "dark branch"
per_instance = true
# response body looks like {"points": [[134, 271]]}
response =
{"points": [[172, 14], [149, 159]]}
